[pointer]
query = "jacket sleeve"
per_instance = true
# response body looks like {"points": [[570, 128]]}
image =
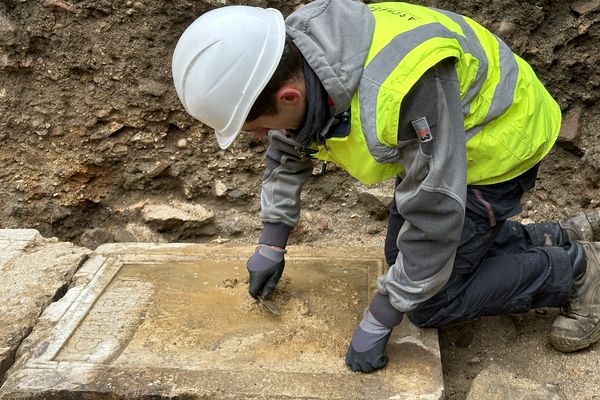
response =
{"points": [[431, 195], [285, 174]]}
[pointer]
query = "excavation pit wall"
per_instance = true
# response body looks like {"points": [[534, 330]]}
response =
{"points": [[175, 321]]}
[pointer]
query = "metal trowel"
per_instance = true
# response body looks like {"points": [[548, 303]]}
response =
{"points": [[270, 305]]}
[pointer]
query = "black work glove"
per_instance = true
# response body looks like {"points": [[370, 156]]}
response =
{"points": [[265, 268], [366, 350]]}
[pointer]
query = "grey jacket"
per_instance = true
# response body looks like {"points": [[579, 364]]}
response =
{"points": [[334, 36]]}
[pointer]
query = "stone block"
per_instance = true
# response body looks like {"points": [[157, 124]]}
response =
{"points": [[14, 241], [183, 219], [585, 7], [34, 271], [165, 321], [570, 128]]}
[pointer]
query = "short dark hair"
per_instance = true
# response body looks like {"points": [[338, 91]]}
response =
{"points": [[290, 66]]}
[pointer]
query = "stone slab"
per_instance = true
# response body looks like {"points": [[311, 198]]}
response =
{"points": [[14, 241], [33, 271], [164, 321]]}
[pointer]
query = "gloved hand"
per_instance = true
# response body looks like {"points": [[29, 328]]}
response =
{"points": [[366, 350], [265, 268]]}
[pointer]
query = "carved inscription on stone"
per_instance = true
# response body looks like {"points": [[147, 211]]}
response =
{"points": [[111, 323]]}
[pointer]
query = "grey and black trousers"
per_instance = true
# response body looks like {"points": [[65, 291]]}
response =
{"points": [[501, 266]]}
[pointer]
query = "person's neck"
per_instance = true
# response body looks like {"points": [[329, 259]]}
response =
{"points": [[317, 110]]}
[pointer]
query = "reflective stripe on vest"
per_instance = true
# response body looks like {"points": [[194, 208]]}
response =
{"points": [[504, 90], [506, 109]]}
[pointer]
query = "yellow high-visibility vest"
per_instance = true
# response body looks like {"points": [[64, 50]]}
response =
{"points": [[511, 122]]}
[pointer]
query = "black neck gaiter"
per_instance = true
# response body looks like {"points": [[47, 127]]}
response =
{"points": [[317, 111]]}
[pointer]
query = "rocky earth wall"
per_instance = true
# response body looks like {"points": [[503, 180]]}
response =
{"points": [[91, 130], [95, 148]]}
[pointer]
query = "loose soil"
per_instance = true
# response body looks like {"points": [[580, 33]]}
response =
{"points": [[200, 315], [91, 129]]}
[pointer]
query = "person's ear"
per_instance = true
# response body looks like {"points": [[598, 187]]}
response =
{"points": [[289, 95]]}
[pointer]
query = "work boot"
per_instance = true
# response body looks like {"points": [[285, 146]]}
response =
{"points": [[583, 226], [578, 326]]}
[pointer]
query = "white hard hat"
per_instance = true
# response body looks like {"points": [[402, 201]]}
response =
{"points": [[223, 61]]}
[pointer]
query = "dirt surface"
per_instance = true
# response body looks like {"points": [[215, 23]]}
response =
{"points": [[91, 131], [175, 317]]}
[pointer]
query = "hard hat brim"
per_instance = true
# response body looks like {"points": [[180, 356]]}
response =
{"points": [[225, 140]]}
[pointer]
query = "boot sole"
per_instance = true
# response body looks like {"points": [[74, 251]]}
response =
{"points": [[569, 345]]}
